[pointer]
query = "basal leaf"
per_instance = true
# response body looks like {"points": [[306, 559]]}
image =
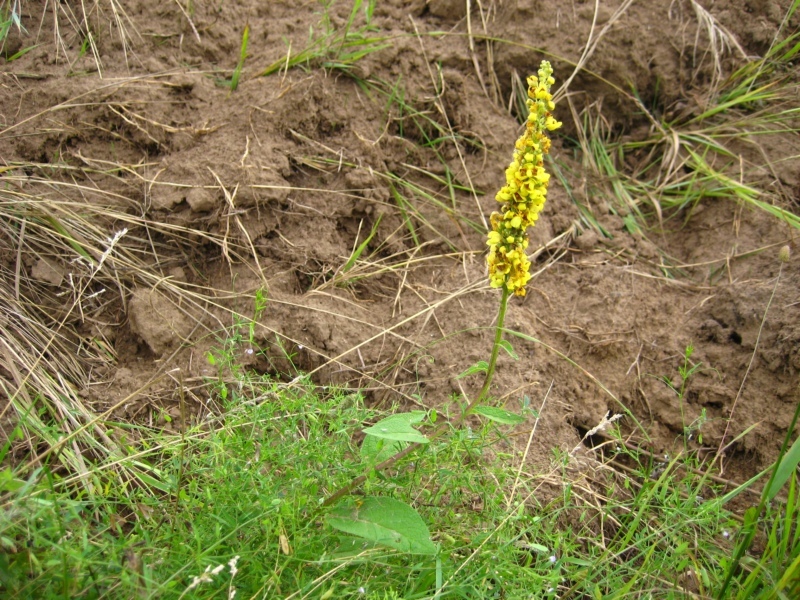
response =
{"points": [[384, 521]]}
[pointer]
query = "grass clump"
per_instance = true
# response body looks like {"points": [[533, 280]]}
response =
{"points": [[234, 487], [334, 47], [712, 152]]}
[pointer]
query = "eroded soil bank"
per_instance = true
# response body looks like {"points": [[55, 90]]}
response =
{"points": [[274, 185]]}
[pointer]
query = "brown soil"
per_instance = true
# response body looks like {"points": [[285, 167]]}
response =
{"points": [[273, 186]]}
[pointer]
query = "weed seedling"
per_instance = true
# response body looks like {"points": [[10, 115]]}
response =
{"points": [[237, 72]]}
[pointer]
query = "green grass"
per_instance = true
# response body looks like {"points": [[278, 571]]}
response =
{"points": [[237, 72], [9, 17], [654, 183], [250, 482], [330, 47]]}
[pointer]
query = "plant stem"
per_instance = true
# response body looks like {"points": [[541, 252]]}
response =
{"points": [[487, 382], [498, 337]]}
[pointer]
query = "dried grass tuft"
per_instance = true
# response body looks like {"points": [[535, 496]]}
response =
{"points": [[70, 257]]}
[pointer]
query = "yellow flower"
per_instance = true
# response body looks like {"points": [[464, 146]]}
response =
{"points": [[551, 124], [525, 191]]}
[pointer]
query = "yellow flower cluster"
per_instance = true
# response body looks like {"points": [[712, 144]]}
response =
{"points": [[525, 191]]}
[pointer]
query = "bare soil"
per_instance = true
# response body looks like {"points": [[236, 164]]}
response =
{"points": [[273, 186]]}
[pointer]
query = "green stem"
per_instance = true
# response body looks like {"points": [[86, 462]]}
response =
{"points": [[487, 382], [498, 337]]}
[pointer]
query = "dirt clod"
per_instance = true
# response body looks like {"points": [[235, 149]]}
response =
{"points": [[156, 319]]}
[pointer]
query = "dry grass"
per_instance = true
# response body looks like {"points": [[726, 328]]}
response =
{"points": [[81, 26], [85, 258]]}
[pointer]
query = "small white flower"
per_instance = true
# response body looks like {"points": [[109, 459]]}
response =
{"points": [[726, 534], [362, 590], [553, 559], [232, 564], [206, 577], [249, 351]]}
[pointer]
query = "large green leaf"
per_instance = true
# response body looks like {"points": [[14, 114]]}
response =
{"points": [[375, 450], [398, 427], [384, 521]]}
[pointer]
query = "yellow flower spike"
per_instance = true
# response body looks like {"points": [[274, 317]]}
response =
{"points": [[525, 191]]}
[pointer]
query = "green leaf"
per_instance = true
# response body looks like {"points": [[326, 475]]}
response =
{"points": [[384, 521], [786, 467], [479, 367], [348, 546], [8, 483], [579, 561], [630, 224], [398, 428], [499, 415], [361, 247], [237, 72], [375, 450], [750, 517], [152, 481], [21, 53], [506, 345]]}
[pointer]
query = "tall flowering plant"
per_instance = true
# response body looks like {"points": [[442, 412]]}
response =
{"points": [[521, 200]]}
